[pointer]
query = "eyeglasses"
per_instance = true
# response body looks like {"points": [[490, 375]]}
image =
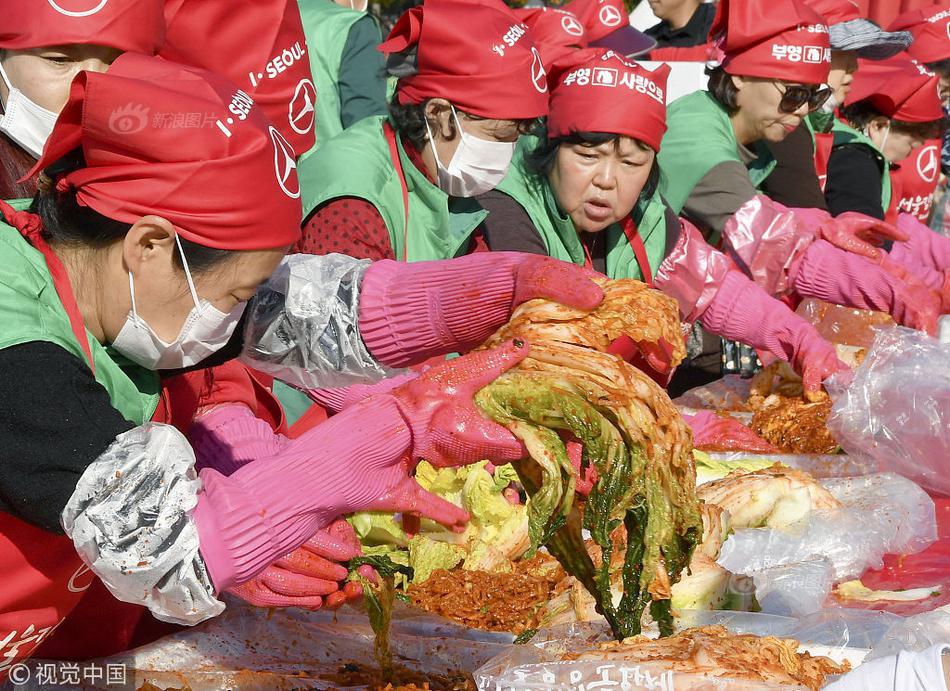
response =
{"points": [[795, 96]]}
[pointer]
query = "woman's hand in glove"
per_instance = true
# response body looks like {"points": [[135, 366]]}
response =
{"points": [[312, 576], [859, 234], [355, 460], [411, 312], [447, 429], [815, 360]]}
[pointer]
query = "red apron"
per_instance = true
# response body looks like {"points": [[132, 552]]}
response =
{"points": [[823, 143], [914, 181], [44, 579]]}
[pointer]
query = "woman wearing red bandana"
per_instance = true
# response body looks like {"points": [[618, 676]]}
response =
{"points": [[585, 191], [776, 59], [471, 81], [43, 49], [893, 108], [118, 270]]}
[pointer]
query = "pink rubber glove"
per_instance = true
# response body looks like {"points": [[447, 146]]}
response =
{"points": [[228, 436], [311, 576], [859, 234], [742, 311], [335, 400], [356, 460], [447, 429], [925, 254], [828, 273], [715, 432], [411, 312]]}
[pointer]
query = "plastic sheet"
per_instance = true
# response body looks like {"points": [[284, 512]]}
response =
{"points": [[711, 431], [728, 393], [538, 665], [844, 325], [794, 569], [249, 648], [897, 409]]}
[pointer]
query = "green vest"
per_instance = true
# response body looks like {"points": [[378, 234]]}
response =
{"points": [[536, 197], [30, 310], [357, 163], [699, 137], [326, 26], [844, 135]]}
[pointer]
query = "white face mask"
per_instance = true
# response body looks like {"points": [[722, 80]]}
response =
{"points": [[25, 122], [829, 105], [477, 165], [206, 330]]}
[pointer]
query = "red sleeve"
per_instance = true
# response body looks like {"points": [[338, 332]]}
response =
{"points": [[346, 225]]}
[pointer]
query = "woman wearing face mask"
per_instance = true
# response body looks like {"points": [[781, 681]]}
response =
{"points": [[586, 192], [802, 157], [104, 284], [470, 82], [29, 28], [892, 108], [775, 61], [39, 56]]}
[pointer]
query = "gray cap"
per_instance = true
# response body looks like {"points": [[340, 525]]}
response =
{"points": [[868, 39]]}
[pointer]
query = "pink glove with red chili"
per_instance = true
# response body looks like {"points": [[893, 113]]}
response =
{"points": [[830, 274], [859, 234], [742, 311], [359, 459], [926, 255], [410, 312], [312, 576]]}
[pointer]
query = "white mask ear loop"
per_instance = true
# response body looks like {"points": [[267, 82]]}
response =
{"points": [[135, 314], [886, 132], [6, 80], [435, 152], [184, 264]]}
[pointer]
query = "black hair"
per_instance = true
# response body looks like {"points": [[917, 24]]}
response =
{"points": [[540, 161], [723, 89], [409, 120], [941, 67], [860, 114], [67, 222]]}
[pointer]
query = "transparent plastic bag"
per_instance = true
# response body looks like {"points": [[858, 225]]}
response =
{"points": [[540, 664], [881, 514], [897, 409], [729, 393], [251, 648], [844, 325]]}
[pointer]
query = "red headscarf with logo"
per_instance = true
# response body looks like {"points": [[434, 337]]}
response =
{"points": [[128, 25], [474, 53], [773, 40], [260, 46], [162, 138], [836, 11], [931, 29], [604, 92], [555, 32], [898, 88], [608, 26]]}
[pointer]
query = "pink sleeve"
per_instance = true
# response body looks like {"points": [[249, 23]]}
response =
{"points": [[767, 239], [692, 273]]}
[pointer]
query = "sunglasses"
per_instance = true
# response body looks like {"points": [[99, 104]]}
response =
{"points": [[795, 96]]}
